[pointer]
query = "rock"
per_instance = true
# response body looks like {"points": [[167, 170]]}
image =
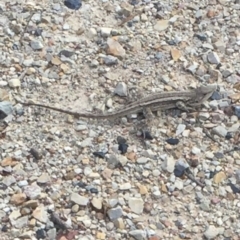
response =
{"points": [[36, 17], [211, 232], [198, 14], [9, 180], [172, 141], [40, 214], [121, 89], [122, 147], [180, 167], [2, 214], [92, 33], [113, 202], [18, 198], [44, 178], [136, 205], [65, 26], [220, 45], [87, 142], [32, 222], [193, 68], [180, 129], [56, 7], [41, 234], [237, 175], [56, 61], [178, 184], [138, 234], [148, 207], [75, 208], [119, 223], [31, 71], [156, 172], [28, 62], [156, 192], [100, 235], [144, 17], [97, 203], [125, 186], [234, 127], [176, 54], [233, 79], [219, 177], [105, 31], [110, 60], [196, 151], [143, 190], [209, 155], [122, 160], [15, 214], [113, 162], [161, 56], [115, 213], [226, 73], [4, 95], [126, 8], [52, 233], [3, 20], [205, 205], [25, 211], [213, 58], [168, 164], [111, 76], [36, 45], [208, 46], [87, 171], [222, 191], [78, 199], [114, 48], [73, 4], [110, 226], [157, 238], [6, 109], [14, 83], [142, 160], [220, 131], [107, 173], [26, 235], [21, 222], [33, 191], [161, 25], [8, 161]]}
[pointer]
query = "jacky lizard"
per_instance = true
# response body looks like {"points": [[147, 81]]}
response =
{"points": [[184, 100]]}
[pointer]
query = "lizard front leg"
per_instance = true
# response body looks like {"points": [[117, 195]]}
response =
{"points": [[150, 121], [182, 106]]}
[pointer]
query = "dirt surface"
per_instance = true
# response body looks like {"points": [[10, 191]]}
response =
{"points": [[64, 178]]}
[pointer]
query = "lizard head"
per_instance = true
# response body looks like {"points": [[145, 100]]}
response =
{"points": [[205, 89], [204, 92]]}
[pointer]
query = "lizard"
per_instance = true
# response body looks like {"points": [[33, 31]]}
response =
{"points": [[184, 100]]}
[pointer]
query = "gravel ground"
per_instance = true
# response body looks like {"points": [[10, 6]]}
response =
{"points": [[64, 178]]}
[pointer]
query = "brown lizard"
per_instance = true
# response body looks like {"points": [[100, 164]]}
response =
{"points": [[184, 100]]}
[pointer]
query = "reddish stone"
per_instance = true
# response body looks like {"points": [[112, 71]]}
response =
{"points": [[154, 238]]}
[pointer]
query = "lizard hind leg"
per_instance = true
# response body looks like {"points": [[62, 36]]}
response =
{"points": [[182, 106]]}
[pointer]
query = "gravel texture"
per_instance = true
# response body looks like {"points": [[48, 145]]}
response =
{"points": [[63, 178]]}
